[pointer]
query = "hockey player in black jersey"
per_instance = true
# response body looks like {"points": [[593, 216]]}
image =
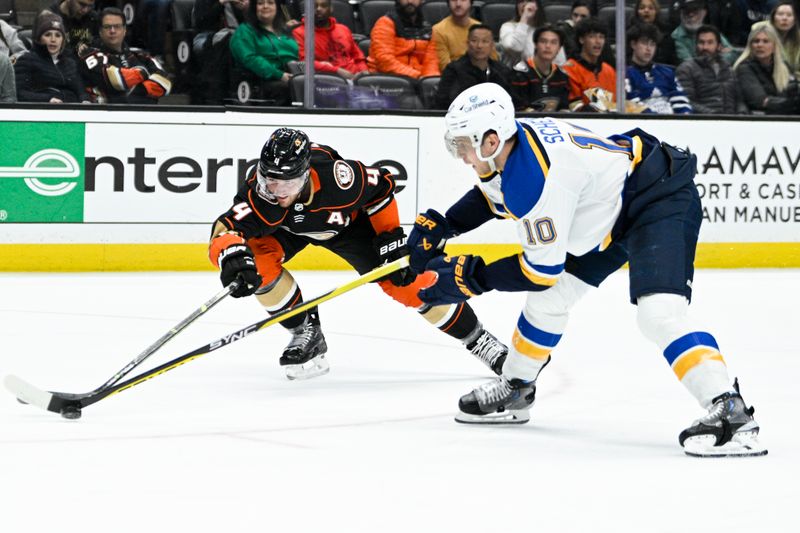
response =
{"points": [[303, 193]]}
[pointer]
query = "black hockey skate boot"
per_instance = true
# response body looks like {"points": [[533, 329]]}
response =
{"points": [[304, 357], [500, 401], [728, 429], [489, 350]]}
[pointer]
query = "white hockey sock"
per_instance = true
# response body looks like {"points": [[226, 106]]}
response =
{"points": [[692, 353], [522, 367]]}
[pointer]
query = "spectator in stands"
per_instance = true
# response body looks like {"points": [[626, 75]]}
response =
{"points": [[648, 12], [400, 43], [263, 46], [744, 14], [8, 89], [693, 13], [588, 71], [157, 15], [47, 73], [80, 21], [212, 16], [215, 22], [784, 19], [450, 33], [114, 73], [516, 36], [11, 45], [764, 79], [650, 84], [335, 50], [580, 10], [476, 66], [539, 83], [706, 78]]}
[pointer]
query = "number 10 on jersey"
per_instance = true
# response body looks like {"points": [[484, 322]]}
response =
{"points": [[540, 231]]}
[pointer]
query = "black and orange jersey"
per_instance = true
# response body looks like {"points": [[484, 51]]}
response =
{"points": [[341, 190], [129, 76], [583, 76]]}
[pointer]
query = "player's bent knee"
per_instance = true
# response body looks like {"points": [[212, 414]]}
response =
{"points": [[559, 299], [269, 256], [663, 317]]}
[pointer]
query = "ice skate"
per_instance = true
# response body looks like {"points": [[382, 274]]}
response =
{"points": [[500, 401], [728, 429], [304, 357], [489, 350]]}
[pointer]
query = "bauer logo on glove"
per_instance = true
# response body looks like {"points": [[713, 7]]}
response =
{"points": [[456, 280]]}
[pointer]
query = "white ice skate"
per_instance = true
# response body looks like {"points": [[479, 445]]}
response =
{"points": [[498, 402], [728, 430]]}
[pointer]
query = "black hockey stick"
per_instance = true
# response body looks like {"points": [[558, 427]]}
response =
{"points": [[69, 405], [169, 335]]}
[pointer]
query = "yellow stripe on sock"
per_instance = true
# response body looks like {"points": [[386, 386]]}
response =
{"points": [[693, 358], [528, 349]]}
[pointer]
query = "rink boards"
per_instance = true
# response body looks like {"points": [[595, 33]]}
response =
{"points": [[122, 190]]}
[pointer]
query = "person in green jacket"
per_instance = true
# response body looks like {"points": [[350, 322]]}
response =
{"points": [[264, 46]]}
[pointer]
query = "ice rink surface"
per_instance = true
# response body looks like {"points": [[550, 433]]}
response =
{"points": [[226, 444]]}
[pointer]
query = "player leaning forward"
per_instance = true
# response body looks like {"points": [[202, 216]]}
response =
{"points": [[584, 205], [303, 193]]}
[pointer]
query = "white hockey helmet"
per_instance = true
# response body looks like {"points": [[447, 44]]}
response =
{"points": [[477, 110]]}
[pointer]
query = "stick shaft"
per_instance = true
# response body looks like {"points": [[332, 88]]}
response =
{"points": [[150, 350], [369, 277]]}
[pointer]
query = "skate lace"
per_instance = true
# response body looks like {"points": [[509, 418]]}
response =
{"points": [[304, 338], [493, 391], [724, 409], [487, 348], [714, 415]]}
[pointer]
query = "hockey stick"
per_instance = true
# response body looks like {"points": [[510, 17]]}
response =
{"points": [[69, 405], [150, 350]]}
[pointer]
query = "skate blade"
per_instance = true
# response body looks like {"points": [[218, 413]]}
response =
{"points": [[510, 416], [317, 366], [743, 444]]}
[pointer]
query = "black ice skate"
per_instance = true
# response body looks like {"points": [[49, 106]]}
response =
{"points": [[498, 402], [728, 429], [304, 357], [489, 350]]}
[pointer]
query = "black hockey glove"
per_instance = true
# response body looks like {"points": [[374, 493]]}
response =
{"points": [[237, 262], [426, 240], [390, 246], [455, 280]]}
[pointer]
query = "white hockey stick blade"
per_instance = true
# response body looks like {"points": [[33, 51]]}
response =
{"points": [[744, 444], [511, 416], [27, 393]]}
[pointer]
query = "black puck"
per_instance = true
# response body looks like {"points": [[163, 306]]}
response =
{"points": [[71, 412]]}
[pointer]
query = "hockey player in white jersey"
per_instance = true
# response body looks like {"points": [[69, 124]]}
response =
{"points": [[584, 205]]}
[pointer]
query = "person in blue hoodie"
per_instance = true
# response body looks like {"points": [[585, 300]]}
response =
{"points": [[652, 85]]}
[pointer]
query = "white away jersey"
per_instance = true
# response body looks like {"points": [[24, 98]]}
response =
{"points": [[563, 184]]}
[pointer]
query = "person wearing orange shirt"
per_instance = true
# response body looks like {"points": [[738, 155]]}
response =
{"points": [[400, 43], [588, 70]]}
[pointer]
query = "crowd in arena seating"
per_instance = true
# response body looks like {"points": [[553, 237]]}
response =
{"points": [[690, 56]]}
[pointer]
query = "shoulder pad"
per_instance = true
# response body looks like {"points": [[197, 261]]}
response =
{"points": [[322, 152]]}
